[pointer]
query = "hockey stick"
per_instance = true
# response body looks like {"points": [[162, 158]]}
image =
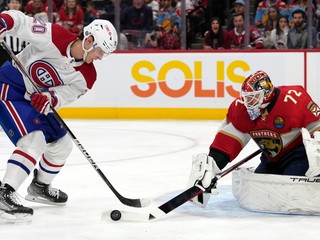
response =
{"points": [[173, 203], [141, 202]]}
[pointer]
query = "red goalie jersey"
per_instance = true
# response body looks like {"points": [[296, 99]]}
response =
{"points": [[276, 131]]}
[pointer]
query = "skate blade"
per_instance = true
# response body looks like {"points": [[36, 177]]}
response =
{"points": [[16, 218], [32, 198]]}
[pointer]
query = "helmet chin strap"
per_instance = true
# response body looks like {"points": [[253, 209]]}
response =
{"points": [[85, 51]]}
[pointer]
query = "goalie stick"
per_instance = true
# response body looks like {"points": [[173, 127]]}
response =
{"points": [[177, 201], [140, 202]]}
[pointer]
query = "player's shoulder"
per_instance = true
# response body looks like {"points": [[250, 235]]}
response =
{"points": [[288, 88], [294, 94], [238, 115], [293, 91], [61, 38]]}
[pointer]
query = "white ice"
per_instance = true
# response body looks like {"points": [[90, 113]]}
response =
{"points": [[150, 159]]}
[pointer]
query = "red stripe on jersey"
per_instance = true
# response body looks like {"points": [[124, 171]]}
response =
{"points": [[49, 163], [15, 117], [25, 155], [227, 144], [4, 92]]}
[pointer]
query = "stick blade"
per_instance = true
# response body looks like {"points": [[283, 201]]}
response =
{"points": [[138, 203], [134, 216]]}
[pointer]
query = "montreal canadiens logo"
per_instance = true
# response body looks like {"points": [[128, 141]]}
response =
{"points": [[44, 74]]}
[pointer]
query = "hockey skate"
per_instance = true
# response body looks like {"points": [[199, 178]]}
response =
{"points": [[44, 193], [10, 208]]}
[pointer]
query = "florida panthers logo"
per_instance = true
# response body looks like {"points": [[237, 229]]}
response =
{"points": [[44, 74], [270, 142]]}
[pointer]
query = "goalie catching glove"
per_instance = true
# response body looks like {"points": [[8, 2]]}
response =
{"points": [[312, 146], [204, 169], [43, 101]]}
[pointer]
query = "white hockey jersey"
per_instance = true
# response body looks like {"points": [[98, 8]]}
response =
{"points": [[47, 58]]}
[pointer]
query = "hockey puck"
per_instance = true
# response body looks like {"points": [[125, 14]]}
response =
{"points": [[115, 215]]}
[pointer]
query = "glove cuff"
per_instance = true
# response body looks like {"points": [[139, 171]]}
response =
{"points": [[52, 98]]}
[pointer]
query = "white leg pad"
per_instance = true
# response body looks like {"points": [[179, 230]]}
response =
{"points": [[312, 146]]}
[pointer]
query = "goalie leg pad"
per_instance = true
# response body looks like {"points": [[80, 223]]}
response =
{"points": [[312, 146]]}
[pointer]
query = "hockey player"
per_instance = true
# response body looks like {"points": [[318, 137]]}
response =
{"points": [[61, 65], [274, 118]]}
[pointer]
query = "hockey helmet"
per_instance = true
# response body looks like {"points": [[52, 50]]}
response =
{"points": [[104, 34], [257, 92]]}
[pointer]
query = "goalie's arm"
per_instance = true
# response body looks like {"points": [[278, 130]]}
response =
{"points": [[221, 158]]}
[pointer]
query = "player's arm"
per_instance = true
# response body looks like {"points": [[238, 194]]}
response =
{"points": [[27, 28], [56, 97], [227, 144]]}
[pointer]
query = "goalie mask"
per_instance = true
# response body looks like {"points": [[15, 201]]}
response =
{"points": [[257, 92], [105, 37]]}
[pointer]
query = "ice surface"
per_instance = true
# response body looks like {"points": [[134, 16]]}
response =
{"points": [[149, 159]]}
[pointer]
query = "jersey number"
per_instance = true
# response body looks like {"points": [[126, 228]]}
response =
{"points": [[290, 97], [39, 27]]}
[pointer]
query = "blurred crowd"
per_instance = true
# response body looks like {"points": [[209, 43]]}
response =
{"points": [[210, 24]]}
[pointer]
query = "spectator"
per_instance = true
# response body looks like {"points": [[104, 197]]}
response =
{"points": [[15, 44], [278, 36], [317, 15], [169, 18], [109, 11], [298, 33], [3, 6], [216, 37], [90, 13], [262, 10], [189, 5], [238, 7], [271, 19], [237, 34], [162, 39], [154, 5], [167, 34], [37, 9], [136, 22], [137, 17], [299, 4], [196, 20], [71, 16]]}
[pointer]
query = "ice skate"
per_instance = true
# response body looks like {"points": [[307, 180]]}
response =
{"points": [[10, 208], [44, 193]]}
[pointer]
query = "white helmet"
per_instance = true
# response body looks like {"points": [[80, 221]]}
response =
{"points": [[104, 34]]}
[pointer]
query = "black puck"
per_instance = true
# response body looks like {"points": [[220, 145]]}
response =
{"points": [[115, 215]]}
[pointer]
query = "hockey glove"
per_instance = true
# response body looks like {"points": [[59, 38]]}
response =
{"points": [[43, 101], [3, 29], [312, 146], [204, 169]]}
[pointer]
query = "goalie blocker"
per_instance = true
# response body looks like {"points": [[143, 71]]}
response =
{"points": [[203, 170]]}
